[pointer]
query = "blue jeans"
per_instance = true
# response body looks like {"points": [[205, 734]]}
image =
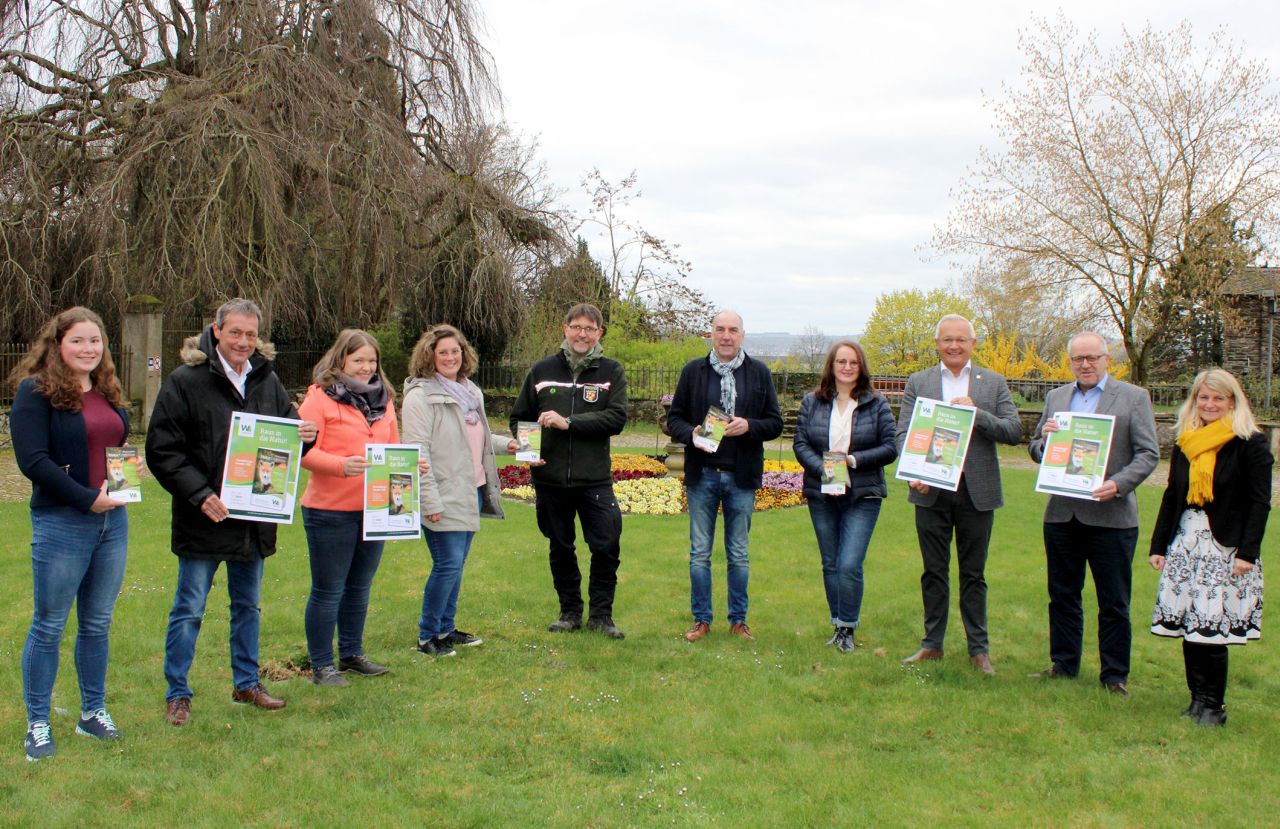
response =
{"points": [[843, 526], [440, 595], [195, 577], [75, 557], [714, 490], [342, 570]]}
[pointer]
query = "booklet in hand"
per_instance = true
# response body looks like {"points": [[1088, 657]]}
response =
{"points": [[708, 435], [123, 481], [835, 473], [528, 441]]}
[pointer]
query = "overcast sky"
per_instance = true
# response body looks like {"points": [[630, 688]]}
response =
{"points": [[801, 154]]}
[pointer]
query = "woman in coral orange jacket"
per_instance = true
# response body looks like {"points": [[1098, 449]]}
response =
{"points": [[352, 405]]}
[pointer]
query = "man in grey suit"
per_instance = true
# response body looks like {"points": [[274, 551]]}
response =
{"points": [[969, 512], [1100, 533]]}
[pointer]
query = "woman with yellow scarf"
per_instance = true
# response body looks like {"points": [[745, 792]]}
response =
{"points": [[1208, 537]]}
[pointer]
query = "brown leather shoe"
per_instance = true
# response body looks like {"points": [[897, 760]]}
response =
{"points": [[257, 696], [1050, 672], [922, 655], [982, 662], [699, 630], [1118, 688], [741, 629], [178, 711]]}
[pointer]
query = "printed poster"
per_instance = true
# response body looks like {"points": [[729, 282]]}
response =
{"points": [[937, 443], [1075, 457], [123, 481], [711, 431], [260, 473], [835, 473], [392, 509]]}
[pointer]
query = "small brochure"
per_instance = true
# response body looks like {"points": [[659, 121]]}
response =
{"points": [[937, 443], [392, 508], [260, 473], [711, 432], [528, 441], [1074, 463], [835, 473], [123, 481]]}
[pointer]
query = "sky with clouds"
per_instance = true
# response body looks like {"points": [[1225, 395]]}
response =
{"points": [[800, 154]]}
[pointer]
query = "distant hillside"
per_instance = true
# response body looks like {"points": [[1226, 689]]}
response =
{"points": [[771, 344]]}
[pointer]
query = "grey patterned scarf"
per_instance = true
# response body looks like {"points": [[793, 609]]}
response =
{"points": [[728, 389], [370, 399]]}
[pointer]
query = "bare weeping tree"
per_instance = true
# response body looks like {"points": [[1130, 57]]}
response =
{"points": [[1110, 159], [305, 153]]}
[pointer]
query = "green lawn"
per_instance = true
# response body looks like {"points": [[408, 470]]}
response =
{"points": [[535, 729]]}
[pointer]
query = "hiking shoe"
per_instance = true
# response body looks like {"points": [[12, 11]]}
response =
{"points": [[462, 639], [741, 629], [699, 630], [328, 675], [835, 636], [844, 640], [177, 711], [361, 664], [605, 625], [39, 741], [567, 623], [437, 646], [98, 724], [258, 697]]}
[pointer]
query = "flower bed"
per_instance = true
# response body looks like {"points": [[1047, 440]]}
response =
{"points": [[641, 489]]}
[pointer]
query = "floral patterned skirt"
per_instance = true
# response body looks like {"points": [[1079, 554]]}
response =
{"points": [[1198, 598]]}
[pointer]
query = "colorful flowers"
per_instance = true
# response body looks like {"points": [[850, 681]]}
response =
{"points": [[650, 496]]}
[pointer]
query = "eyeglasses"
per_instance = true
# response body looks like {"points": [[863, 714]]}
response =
{"points": [[583, 329], [1087, 358]]}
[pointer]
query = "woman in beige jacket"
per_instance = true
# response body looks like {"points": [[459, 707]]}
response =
{"points": [[444, 414]]}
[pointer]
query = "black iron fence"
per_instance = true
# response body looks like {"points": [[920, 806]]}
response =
{"points": [[652, 382], [12, 353]]}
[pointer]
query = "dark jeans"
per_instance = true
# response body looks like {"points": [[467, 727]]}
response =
{"points": [[953, 512], [195, 578], [75, 557], [342, 570], [843, 527], [1108, 552], [601, 520]]}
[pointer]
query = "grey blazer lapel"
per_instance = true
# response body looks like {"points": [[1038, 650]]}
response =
{"points": [[1110, 397], [932, 386]]}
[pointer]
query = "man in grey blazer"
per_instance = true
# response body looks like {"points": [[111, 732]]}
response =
{"points": [[1101, 533], [969, 512]]}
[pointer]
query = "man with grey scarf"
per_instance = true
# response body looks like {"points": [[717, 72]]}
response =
{"points": [[729, 476], [579, 397]]}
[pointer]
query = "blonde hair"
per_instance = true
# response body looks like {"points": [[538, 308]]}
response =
{"points": [[1225, 383]]}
